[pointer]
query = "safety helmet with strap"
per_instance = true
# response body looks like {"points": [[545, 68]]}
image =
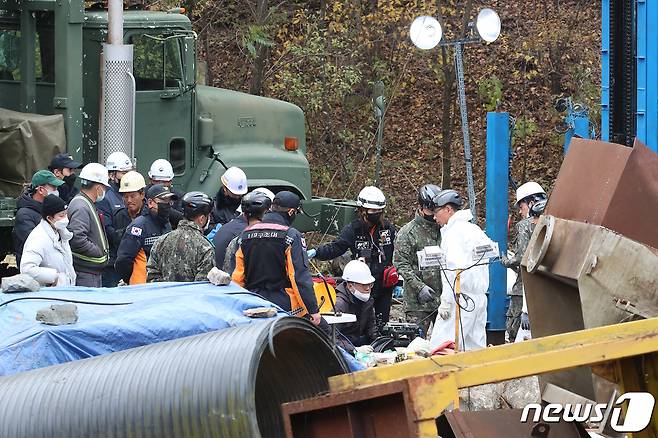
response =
{"points": [[94, 172], [118, 161], [235, 180], [371, 197], [269, 193], [255, 203], [357, 272], [538, 208], [195, 204], [529, 189], [446, 197], [132, 182], [426, 195], [161, 170]]}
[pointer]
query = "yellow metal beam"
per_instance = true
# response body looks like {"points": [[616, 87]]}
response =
{"points": [[504, 362]]}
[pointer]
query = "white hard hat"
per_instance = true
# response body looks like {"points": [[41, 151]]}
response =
{"points": [[95, 172], [235, 180], [161, 170], [358, 272], [528, 189], [118, 161], [267, 192], [132, 182], [371, 197]]}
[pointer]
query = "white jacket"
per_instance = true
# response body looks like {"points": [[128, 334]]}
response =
{"points": [[458, 239], [47, 256]]}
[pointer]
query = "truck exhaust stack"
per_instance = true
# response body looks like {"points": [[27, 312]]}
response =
{"points": [[117, 104]]}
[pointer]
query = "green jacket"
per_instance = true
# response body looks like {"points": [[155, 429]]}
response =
{"points": [[414, 237], [524, 229]]}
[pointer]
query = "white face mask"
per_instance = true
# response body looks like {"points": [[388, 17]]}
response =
{"points": [[101, 196], [62, 224], [54, 192], [361, 296]]}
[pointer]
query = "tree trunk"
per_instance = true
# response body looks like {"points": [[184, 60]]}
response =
{"points": [[258, 68]]}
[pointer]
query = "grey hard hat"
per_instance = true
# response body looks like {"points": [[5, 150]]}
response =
{"points": [[446, 197]]}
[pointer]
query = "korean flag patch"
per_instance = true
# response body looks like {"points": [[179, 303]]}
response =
{"points": [[136, 231]]}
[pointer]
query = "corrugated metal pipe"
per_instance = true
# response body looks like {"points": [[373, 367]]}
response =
{"points": [[228, 383]]}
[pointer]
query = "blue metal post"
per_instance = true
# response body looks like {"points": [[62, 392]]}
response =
{"points": [[578, 122], [605, 71], [498, 140], [647, 69]]}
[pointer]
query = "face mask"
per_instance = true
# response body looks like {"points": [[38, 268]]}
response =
{"points": [[70, 180], [101, 196], [164, 209], [429, 217], [361, 296], [54, 192], [374, 218], [61, 224]]}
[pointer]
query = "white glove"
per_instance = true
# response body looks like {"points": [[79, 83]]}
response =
{"points": [[445, 309], [218, 277], [62, 279]]}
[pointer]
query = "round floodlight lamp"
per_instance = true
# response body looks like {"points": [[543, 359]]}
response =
{"points": [[425, 32], [488, 25]]}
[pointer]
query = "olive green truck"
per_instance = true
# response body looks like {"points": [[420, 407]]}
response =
{"points": [[51, 63]]}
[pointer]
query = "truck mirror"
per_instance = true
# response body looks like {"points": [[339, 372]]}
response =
{"points": [[189, 59]]}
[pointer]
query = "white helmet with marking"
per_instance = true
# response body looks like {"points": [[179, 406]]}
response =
{"points": [[371, 197], [235, 180], [161, 170], [118, 161], [357, 272], [528, 189], [95, 172]]}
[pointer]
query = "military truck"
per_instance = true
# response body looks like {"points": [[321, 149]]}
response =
{"points": [[50, 58]]}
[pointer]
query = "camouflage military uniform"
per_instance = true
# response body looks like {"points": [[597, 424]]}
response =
{"points": [[181, 255], [412, 238], [523, 229]]}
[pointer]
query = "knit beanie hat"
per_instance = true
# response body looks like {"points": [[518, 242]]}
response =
{"points": [[52, 205]]}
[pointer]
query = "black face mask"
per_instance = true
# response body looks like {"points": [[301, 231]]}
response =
{"points": [[429, 218], [373, 218], [163, 210], [70, 180], [229, 201]]}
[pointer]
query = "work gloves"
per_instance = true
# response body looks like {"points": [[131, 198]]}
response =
{"points": [[444, 309], [525, 321], [425, 295], [311, 253]]}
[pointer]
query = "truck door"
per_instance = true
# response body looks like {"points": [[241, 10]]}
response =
{"points": [[164, 104]]}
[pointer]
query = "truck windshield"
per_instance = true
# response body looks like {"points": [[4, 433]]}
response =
{"points": [[44, 53], [157, 62]]}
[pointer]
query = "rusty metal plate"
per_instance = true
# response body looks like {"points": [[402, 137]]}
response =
{"points": [[376, 412], [502, 424], [610, 185]]}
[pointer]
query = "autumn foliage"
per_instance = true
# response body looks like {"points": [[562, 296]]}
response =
{"points": [[325, 55]]}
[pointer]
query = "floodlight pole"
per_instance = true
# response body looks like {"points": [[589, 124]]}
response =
{"points": [[461, 93], [461, 96]]}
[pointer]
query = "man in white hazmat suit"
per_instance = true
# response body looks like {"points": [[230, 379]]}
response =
{"points": [[459, 238]]}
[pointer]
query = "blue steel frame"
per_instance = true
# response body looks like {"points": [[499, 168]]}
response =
{"points": [[647, 72], [498, 141], [605, 70]]}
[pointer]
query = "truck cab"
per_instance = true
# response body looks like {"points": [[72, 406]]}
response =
{"points": [[50, 63]]}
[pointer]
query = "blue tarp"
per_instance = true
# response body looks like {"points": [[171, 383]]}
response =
{"points": [[159, 312]]}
